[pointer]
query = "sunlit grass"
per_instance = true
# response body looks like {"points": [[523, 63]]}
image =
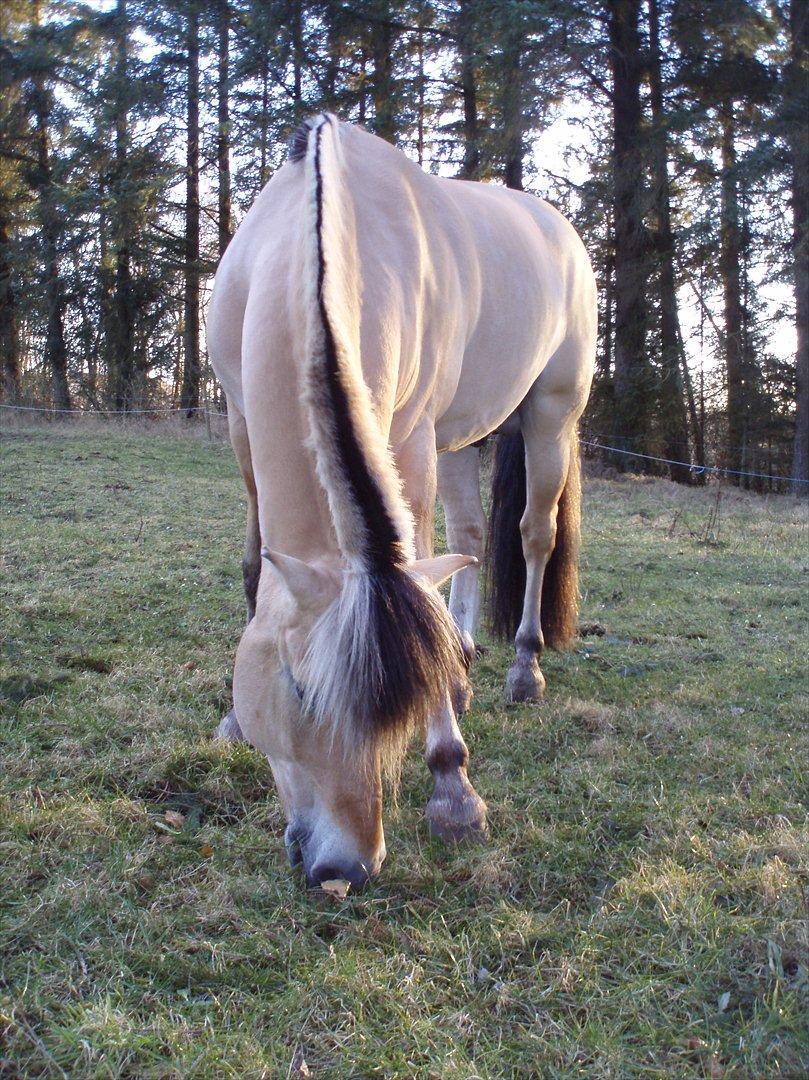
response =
{"points": [[640, 909]]}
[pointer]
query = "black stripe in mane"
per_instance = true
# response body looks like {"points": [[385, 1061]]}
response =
{"points": [[383, 548]]}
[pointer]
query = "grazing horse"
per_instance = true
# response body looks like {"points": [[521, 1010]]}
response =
{"points": [[367, 318]]}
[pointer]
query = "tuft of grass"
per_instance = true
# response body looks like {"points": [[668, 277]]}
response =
{"points": [[641, 907]]}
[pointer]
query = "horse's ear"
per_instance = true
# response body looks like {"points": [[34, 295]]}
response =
{"points": [[305, 584], [442, 567]]}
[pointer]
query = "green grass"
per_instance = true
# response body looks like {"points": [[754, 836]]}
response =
{"points": [[639, 911]]}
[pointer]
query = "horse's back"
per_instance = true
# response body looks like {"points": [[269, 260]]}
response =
{"points": [[539, 293], [467, 289]]}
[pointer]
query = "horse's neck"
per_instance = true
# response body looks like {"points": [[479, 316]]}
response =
{"points": [[293, 510]]}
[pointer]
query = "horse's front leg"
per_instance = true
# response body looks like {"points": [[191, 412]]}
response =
{"points": [[455, 811], [229, 728]]}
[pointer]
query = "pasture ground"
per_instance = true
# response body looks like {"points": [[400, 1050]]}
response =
{"points": [[640, 909]]}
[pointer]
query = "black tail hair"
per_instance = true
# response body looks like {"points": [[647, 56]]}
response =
{"points": [[505, 562]]}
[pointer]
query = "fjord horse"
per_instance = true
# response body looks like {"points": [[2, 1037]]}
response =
{"points": [[370, 325]]}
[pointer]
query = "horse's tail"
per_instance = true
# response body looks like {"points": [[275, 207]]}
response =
{"points": [[559, 614], [505, 561], [386, 652]]}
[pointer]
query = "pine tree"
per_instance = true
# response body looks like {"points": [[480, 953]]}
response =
{"points": [[190, 392], [797, 110], [44, 182], [671, 395], [634, 378], [729, 85], [13, 197], [225, 222]]}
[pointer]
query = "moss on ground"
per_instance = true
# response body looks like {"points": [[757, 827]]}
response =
{"points": [[640, 910]]}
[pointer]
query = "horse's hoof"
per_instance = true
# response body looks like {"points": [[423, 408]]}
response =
{"points": [[467, 646], [458, 821], [525, 682], [229, 730], [462, 699]]}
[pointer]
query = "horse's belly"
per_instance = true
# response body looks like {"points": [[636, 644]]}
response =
{"points": [[493, 383]]}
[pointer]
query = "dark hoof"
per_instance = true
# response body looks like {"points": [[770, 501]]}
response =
{"points": [[458, 821], [525, 682], [229, 729]]}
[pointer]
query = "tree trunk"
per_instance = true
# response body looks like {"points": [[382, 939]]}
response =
{"points": [[189, 395], [634, 387], [122, 325], [297, 61], [362, 104], [9, 332], [105, 331], [605, 365], [513, 148], [799, 154], [672, 404], [223, 129], [730, 258], [49, 220], [333, 45], [382, 87], [264, 172], [697, 419], [420, 117], [470, 170]]}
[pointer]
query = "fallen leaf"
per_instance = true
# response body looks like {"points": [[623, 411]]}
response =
{"points": [[695, 1043], [724, 1001], [206, 851], [189, 665], [145, 881], [175, 818], [165, 838], [298, 1066], [338, 888]]}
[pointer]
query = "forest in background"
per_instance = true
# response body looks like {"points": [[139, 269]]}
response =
{"points": [[134, 135]]}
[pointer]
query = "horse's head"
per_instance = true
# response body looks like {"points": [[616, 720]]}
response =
{"points": [[331, 676]]}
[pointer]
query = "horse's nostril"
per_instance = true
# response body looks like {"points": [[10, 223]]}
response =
{"points": [[357, 875], [293, 839]]}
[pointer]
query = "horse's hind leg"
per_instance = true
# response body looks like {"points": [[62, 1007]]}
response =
{"points": [[550, 534], [455, 810], [251, 562]]}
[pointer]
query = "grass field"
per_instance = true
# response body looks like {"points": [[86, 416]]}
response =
{"points": [[639, 911]]}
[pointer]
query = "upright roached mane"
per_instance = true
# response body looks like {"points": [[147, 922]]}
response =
{"points": [[386, 651]]}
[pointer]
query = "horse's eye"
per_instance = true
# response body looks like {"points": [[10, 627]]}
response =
{"points": [[298, 690]]}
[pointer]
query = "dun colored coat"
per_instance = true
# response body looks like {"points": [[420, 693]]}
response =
{"points": [[370, 325]]}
